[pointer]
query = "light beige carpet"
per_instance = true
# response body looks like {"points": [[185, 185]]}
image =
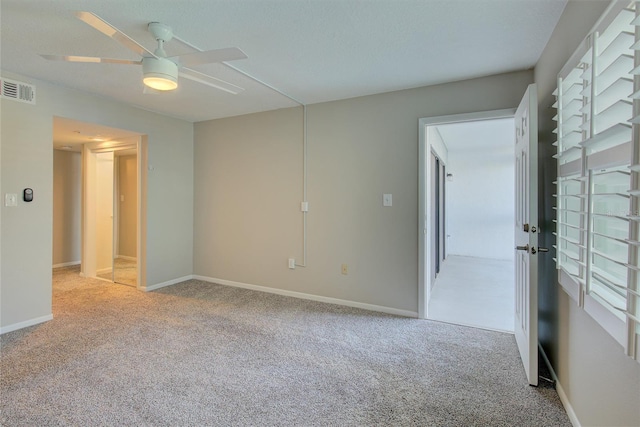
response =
{"points": [[199, 354]]}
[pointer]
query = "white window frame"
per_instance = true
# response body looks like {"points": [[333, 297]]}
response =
{"points": [[578, 140]]}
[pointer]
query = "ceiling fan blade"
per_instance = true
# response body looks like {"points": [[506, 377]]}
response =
{"points": [[205, 79], [72, 58], [210, 56], [105, 28]]}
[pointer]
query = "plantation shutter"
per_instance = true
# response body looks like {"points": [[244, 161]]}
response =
{"points": [[597, 222]]}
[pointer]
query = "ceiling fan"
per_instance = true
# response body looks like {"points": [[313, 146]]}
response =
{"points": [[159, 72]]}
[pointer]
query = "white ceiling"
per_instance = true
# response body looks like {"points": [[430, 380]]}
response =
{"points": [[313, 50], [478, 135], [69, 134]]}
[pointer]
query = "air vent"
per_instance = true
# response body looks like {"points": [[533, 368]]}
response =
{"points": [[18, 91]]}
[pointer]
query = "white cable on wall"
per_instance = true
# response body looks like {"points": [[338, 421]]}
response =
{"points": [[304, 144], [304, 185]]}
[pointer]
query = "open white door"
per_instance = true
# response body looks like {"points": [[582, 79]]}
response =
{"points": [[526, 233]]}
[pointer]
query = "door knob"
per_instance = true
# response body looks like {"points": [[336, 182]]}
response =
{"points": [[534, 250], [523, 248]]}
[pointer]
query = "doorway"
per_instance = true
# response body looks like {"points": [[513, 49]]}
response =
{"points": [[438, 222], [466, 237], [110, 208], [116, 214], [110, 199]]}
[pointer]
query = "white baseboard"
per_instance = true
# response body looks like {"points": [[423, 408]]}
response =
{"points": [[561, 394], [104, 270], [66, 264], [311, 297], [26, 323], [128, 258], [164, 284], [294, 294]]}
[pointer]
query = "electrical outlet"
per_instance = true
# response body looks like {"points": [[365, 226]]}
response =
{"points": [[345, 269], [292, 263]]}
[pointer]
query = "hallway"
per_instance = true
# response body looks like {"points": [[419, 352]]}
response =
{"points": [[476, 292]]}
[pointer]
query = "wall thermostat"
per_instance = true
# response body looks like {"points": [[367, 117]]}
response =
{"points": [[27, 195]]}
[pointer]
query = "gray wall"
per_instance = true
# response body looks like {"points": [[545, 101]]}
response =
{"points": [[27, 161], [67, 199], [601, 383], [248, 178]]}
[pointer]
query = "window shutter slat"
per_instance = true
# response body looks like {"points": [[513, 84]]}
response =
{"points": [[598, 195]]}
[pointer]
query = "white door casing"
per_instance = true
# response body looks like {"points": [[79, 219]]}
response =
{"points": [[89, 264], [526, 233], [424, 178]]}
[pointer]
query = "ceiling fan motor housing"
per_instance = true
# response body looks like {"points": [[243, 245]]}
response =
{"points": [[160, 73], [160, 31]]}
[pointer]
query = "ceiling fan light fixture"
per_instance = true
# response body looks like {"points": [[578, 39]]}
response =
{"points": [[159, 82], [159, 73]]}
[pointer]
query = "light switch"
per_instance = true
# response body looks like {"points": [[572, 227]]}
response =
{"points": [[11, 199], [387, 200]]}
